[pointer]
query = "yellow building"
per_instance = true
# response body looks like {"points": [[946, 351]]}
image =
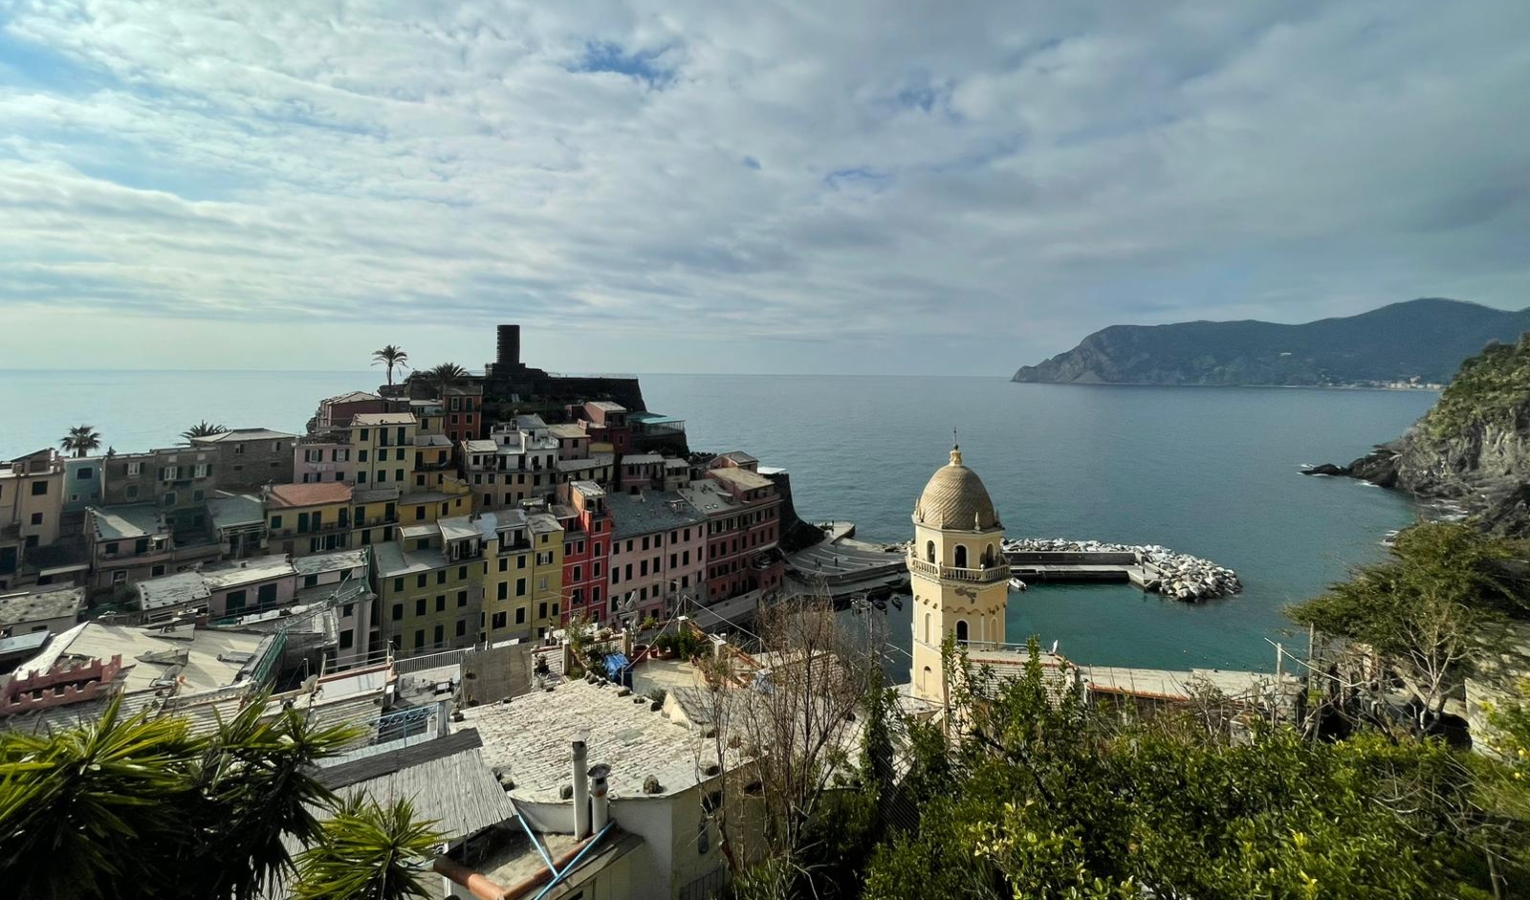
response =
{"points": [[957, 572], [375, 516], [546, 571], [382, 450], [308, 518], [433, 462], [429, 587], [523, 574], [508, 571], [453, 498]]}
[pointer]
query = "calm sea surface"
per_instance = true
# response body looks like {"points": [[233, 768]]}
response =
{"points": [[1206, 471]]}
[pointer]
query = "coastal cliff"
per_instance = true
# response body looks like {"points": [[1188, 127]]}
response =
{"points": [[1417, 342], [1471, 448]]}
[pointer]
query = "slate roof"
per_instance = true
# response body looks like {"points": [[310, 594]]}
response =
{"points": [[16, 609], [127, 521], [235, 511], [244, 434], [446, 779], [530, 737], [654, 511], [172, 590], [392, 562], [596, 461], [338, 561]]}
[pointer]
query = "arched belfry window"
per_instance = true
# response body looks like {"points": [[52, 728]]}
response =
{"points": [[929, 551], [961, 630], [988, 556], [961, 556], [926, 628], [924, 677]]}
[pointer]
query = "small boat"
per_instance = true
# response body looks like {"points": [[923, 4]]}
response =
{"points": [[880, 603], [1390, 539], [897, 602], [1016, 584]]}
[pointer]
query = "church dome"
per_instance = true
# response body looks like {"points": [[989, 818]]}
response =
{"points": [[955, 500]]}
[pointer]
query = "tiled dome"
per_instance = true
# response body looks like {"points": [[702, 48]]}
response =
{"points": [[955, 499]]}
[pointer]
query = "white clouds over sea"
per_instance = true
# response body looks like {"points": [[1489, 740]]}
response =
{"points": [[825, 186]]}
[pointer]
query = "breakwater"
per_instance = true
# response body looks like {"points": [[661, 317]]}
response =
{"points": [[1151, 567]]}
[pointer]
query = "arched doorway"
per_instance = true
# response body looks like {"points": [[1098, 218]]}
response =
{"points": [[961, 556], [929, 551], [961, 631]]}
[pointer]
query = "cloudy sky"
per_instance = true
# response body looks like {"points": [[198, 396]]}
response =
{"points": [[688, 185]]}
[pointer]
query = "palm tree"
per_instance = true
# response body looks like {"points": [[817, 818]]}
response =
{"points": [[134, 803], [367, 852], [202, 429], [444, 374], [391, 356], [80, 440]]}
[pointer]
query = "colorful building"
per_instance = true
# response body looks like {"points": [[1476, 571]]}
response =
{"points": [[427, 583], [303, 519], [586, 524], [658, 545], [383, 449]]}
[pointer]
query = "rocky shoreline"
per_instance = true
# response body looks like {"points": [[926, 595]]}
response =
{"points": [[1471, 450]]}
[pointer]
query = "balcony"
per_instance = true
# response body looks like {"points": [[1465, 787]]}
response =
{"points": [[374, 521], [987, 575]]}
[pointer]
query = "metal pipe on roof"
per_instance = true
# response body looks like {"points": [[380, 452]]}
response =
{"points": [[581, 791]]}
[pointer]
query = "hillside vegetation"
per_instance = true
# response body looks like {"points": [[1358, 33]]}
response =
{"points": [[1420, 340]]}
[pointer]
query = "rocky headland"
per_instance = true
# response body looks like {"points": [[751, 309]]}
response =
{"points": [[1414, 344], [1471, 449]]}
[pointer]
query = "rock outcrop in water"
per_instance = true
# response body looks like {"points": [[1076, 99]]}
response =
{"points": [[1417, 341], [1472, 448]]}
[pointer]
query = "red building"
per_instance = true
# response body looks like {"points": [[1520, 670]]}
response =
{"points": [[463, 411], [586, 522], [743, 510]]}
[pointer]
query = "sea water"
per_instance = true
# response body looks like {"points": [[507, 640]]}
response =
{"points": [[1208, 471]]}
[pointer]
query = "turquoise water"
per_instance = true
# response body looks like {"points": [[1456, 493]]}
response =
{"points": [[1206, 471]]}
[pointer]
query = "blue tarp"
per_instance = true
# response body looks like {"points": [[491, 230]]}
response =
{"points": [[618, 669]]}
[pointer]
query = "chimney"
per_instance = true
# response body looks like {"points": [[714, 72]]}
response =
{"points": [[599, 807], [581, 792]]}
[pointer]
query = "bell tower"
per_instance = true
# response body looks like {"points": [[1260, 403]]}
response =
{"points": [[957, 570]]}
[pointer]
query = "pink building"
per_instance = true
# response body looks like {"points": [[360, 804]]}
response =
{"points": [[658, 555], [323, 460], [337, 412]]}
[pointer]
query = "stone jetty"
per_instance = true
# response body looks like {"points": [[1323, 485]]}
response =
{"points": [[1164, 571]]}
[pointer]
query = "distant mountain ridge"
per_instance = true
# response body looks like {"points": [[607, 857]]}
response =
{"points": [[1423, 340]]}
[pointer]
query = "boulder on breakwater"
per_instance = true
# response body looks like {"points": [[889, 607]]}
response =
{"points": [[1166, 572]]}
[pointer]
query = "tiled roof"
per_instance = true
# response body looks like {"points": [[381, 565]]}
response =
{"points": [[743, 479], [352, 397], [316, 494]]}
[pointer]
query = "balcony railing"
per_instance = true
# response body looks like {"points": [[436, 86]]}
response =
{"points": [[986, 575]]}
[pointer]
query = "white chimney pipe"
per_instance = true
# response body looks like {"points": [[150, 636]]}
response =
{"points": [[581, 792], [599, 807]]}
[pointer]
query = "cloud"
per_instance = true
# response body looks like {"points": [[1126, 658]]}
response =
{"points": [[693, 186]]}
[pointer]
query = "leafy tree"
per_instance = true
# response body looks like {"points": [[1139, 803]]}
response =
{"points": [[80, 440], [444, 375], [367, 851], [134, 806], [1425, 611], [393, 357], [1035, 792], [202, 429]]}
